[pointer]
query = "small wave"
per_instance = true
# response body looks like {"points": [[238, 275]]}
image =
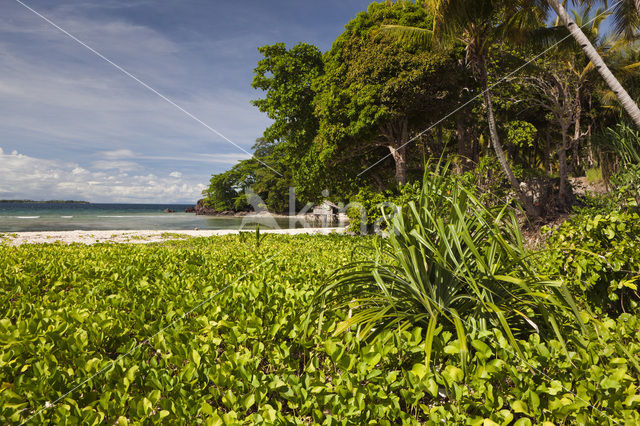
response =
{"points": [[28, 217], [66, 217]]}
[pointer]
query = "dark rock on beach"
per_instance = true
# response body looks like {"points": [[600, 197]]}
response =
{"points": [[168, 211], [202, 210]]}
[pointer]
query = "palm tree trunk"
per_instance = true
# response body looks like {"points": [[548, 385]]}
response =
{"points": [[497, 146], [638, 6], [627, 102]]}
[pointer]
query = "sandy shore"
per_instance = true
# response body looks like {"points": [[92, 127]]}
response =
{"points": [[137, 237]]}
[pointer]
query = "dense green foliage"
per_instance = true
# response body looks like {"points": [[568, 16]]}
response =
{"points": [[367, 206], [625, 144], [282, 157], [139, 333], [378, 92], [599, 255], [140, 317], [338, 113]]}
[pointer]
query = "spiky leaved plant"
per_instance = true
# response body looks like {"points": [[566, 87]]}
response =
{"points": [[448, 263]]}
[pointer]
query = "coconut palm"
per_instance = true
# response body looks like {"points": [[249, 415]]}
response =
{"points": [[629, 105], [626, 18], [560, 79], [624, 58]]}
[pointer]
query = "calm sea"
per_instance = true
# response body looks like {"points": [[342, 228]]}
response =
{"points": [[20, 217]]}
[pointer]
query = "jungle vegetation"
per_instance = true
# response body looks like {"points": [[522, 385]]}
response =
{"points": [[411, 81]]}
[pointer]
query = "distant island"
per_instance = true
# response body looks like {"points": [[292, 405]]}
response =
{"points": [[45, 202]]}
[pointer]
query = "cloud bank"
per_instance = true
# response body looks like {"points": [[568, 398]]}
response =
{"points": [[24, 176]]}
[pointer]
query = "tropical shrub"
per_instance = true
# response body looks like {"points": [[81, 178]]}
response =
{"points": [[624, 141], [598, 255], [594, 175], [626, 185], [449, 264], [489, 180], [369, 206], [118, 333]]}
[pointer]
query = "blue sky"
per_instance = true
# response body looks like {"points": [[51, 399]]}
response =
{"points": [[72, 126]]}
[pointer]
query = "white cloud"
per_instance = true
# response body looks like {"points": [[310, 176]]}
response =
{"points": [[29, 177], [201, 158], [117, 154], [123, 166], [120, 154]]}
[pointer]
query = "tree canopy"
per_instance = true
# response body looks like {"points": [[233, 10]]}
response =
{"points": [[371, 111]]}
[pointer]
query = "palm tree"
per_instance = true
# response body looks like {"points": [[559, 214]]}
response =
{"points": [[626, 18], [473, 23], [561, 78], [625, 60], [627, 102]]}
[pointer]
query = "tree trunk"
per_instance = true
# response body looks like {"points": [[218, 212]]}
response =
{"points": [[547, 151], [638, 6], [495, 141], [460, 134], [562, 168], [590, 156], [397, 135], [440, 137], [400, 157], [627, 102], [575, 140]]}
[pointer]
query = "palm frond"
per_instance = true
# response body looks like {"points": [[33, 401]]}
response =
{"points": [[412, 36], [544, 38], [626, 21], [625, 142], [632, 67]]}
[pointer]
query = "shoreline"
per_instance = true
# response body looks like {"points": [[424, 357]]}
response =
{"points": [[137, 236]]}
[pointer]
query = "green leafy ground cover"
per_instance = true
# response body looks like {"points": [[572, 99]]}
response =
{"points": [[104, 328]]}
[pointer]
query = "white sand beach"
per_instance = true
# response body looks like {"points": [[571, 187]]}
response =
{"points": [[137, 237]]}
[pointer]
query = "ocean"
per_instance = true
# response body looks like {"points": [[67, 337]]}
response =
{"points": [[24, 217]]}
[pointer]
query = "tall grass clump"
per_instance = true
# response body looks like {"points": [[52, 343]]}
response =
{"points": [[625, 142], [449, 264], [594, 175]]}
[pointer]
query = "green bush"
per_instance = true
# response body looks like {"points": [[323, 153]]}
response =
{"points": [[626, 185], [489, 181], [373, 205], [487, 177], [598, 255]]}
